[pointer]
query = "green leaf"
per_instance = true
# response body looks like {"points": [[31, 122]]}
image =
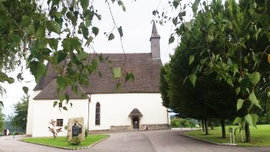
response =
{"points": [[255, 78], [85, 32], [248, 119], [60, 104], [111, 37], [60, 55], [54, 26], [237, 90], [89, 40], [94, 64], [82, 55], [116, 72], [268, 94], [40, 32], [74, 88], [95, 30], [176, 3], [254, 119], [210, 38], [38, 69], [65, 108], [239, 104], [84, 4], [129, 76], [26, 20], [171, 39], [4, 77], [237, 120], [1, 104], [53, 43], [58, 15], [191, 59], [118, 86], [192, 79], [55, 103], [67, 97], [120, 31], [31, 28], [253, 99], [62, 82], [19, 77], [25, 89], [120, 3]]}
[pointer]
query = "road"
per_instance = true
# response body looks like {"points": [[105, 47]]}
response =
{"points": [[140, 141]]}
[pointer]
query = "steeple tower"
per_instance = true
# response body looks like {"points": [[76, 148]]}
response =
{"points": [[155, 45]]}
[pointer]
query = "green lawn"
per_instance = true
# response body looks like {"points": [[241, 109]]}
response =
{"points": [[259, 136], [62, 141]]}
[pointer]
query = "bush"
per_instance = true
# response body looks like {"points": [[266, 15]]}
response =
{"points": [[180, 122], [75, 141], [86, 133]]}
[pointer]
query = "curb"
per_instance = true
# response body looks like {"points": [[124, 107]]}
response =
{"points": [[66, 148], [221, 144]]}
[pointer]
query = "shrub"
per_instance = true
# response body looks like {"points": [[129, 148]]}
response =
{"points": [[75, 141], [180, 122], [86, 133]]}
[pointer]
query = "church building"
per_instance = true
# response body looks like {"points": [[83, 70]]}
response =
{"points": [[136, 106]]}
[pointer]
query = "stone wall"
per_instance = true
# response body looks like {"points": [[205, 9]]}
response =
{"points": [[79, 121], [129, 128], [155, 126]]}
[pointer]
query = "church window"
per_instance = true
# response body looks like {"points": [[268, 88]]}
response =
{"points": [[59, 122], [98, 113]]}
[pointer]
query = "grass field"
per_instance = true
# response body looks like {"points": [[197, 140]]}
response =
{"points": [[260, 136], [62, 141]]}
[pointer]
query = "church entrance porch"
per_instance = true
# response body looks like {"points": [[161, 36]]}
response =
{"points": [[135, 116]]}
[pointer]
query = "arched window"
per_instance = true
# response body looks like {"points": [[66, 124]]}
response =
{"points": [[98, 114]]}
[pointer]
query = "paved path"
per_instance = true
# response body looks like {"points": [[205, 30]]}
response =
{"points": [[141, 141], [162, 141]]}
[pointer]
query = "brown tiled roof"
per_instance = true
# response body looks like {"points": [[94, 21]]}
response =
{"points": [[145, 69], [50, 92]]}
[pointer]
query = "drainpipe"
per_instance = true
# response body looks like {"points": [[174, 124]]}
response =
{"points": [[168, 118], [89, 101]]}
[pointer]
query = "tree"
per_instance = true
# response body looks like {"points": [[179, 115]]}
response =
{"points": [[163, 87], [53, 129], [231, 40], [208, 99], [19, 119], [2, 117], [54, 32]]}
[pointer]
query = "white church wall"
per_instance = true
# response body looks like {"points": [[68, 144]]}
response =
{"points": [[43, 112], [115, 109], [29, 126]]}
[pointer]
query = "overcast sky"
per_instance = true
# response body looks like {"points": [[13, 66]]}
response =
{"points": [[137, 27]]}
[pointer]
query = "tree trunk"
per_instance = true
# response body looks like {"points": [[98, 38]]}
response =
{"points": [[206, 127], [202, 124], [222, 122], [247, 132], [211, 125]]}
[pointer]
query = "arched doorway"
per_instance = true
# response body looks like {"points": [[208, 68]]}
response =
{"points": [[135, 122]]}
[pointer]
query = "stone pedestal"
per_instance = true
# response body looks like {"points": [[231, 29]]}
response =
{"points": [[76, 122]]}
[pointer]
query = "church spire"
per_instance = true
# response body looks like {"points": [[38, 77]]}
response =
{"points": [[155, 45], [154, 32]]}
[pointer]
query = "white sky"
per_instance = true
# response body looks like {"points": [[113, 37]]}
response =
{"points": [[137, 27]]}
